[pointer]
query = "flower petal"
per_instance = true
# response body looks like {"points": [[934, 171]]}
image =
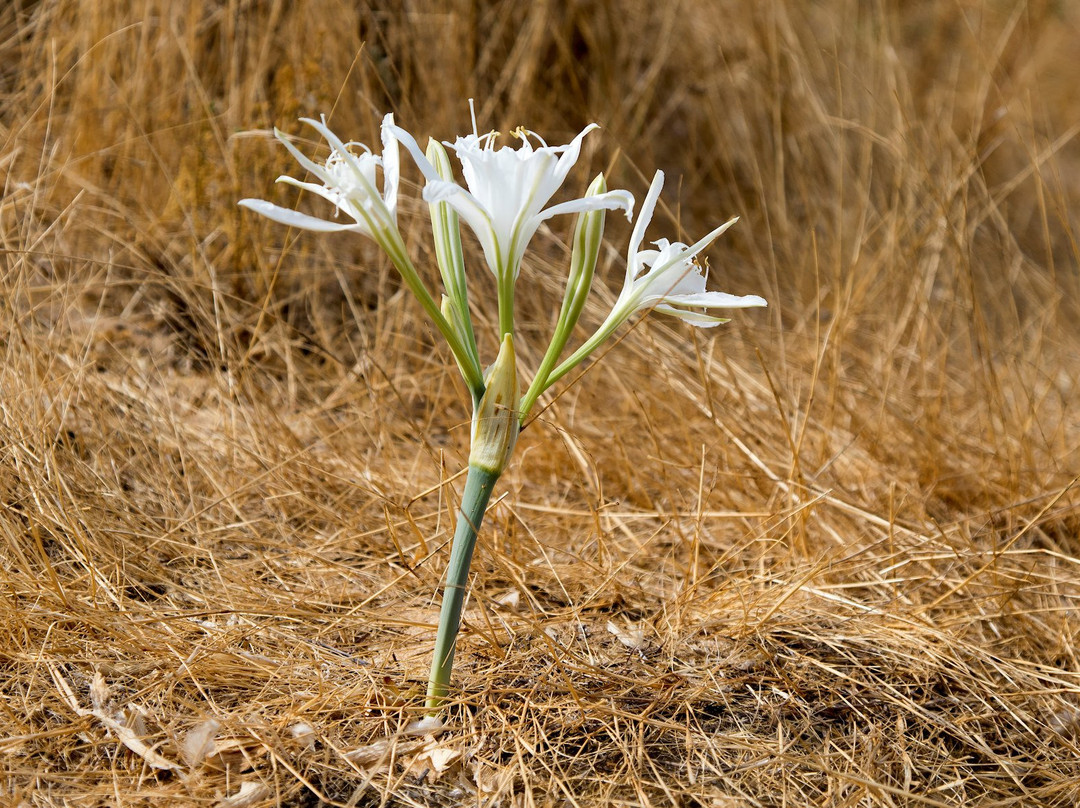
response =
{"points": [[409, 142], [468, 208], [695, 318], [709, 238], [610, 200], [329, 194], [570, 154], [715, 300], [309, 164], [644, 218], [294, 218], [335, 198], [391, 164], [335, 142]]}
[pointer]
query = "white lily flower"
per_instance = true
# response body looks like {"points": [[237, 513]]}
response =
{"points": [[508, 189], [347, 181], [668, 279]]}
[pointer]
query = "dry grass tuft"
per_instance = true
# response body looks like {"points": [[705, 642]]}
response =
{"points": [[827, 555]]}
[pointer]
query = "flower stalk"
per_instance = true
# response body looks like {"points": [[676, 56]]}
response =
{"points": [[494, 435], [479, 483]]}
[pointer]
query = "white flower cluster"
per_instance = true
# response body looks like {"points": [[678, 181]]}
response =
{"points": [[504, 200]]}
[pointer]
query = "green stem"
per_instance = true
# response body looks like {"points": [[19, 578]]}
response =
{"points": [[390, 241], [609, 326], [506, 304], [478, 487]]}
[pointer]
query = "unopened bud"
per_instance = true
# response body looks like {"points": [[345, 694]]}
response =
{"points": [[495, 420]]}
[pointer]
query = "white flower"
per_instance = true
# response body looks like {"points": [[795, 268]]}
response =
{"points": [[668, 279], [347, 182], [508, 189]]}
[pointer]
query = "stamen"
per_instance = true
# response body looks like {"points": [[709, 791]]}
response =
{"points": [[529, 132], [472, 111]]}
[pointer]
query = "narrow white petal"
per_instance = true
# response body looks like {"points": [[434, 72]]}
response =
{"points": [[314, 187], [610, 200], [644, 218], [570, 154], [702, 243], [316, 169], [409, 142], [294, 218], [714, 300], [695, 318], [461, 201], [331, 195], [391, 163], [474, 214], [307, 186], [442, 190]]}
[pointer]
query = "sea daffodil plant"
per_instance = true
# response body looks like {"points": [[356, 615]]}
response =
{"points": [[505, 199]]}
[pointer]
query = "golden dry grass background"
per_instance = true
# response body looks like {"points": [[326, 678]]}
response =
{"points": [[827, 554]]}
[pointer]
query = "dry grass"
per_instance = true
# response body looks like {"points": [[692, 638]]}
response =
{"points": [[826, 555]]}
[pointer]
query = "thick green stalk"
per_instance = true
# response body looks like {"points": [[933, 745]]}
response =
{"points": [[494, 434], [478, 487]]}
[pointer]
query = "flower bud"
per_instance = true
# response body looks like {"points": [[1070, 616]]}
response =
{"points": [[588, 235], [495, 420]]}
